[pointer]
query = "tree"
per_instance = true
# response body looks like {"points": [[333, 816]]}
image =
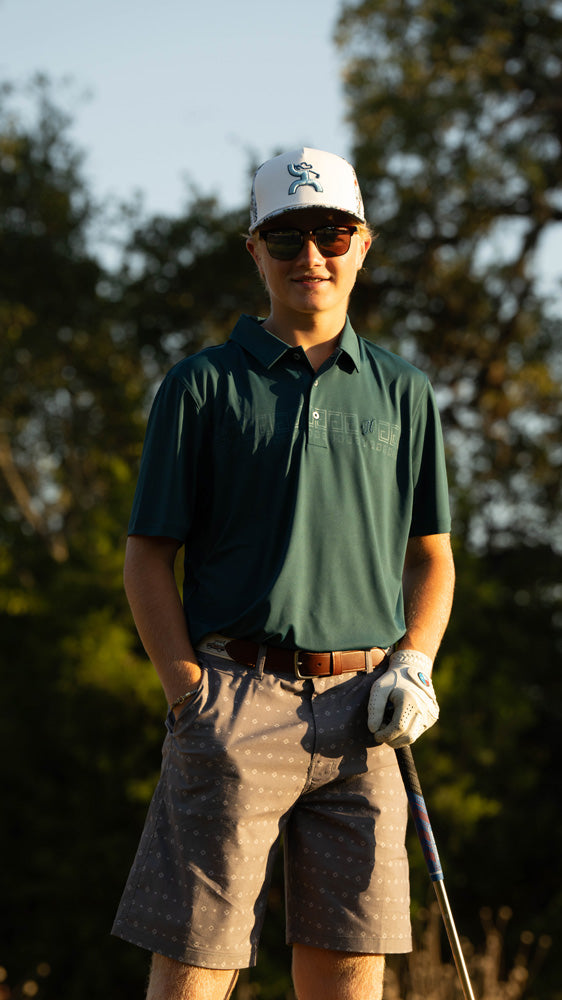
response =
{"points": [[183, 282], [81, 350], [80, 707], [69, 389], [457, 117], [456, 112]]}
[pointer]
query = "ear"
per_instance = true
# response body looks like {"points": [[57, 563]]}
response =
{"points": [[365, 245], [251, 247]]}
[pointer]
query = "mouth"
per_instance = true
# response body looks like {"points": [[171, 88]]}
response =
{"points": [[309, 279]]}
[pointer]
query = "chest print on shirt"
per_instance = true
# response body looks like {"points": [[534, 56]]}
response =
{"points": [[348, 428], [381, 435]]}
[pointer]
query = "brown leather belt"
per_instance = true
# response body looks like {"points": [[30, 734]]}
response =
{"points": [[300, 663]]}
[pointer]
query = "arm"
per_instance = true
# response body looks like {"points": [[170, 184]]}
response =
{"points": [[428, 583], [157, 609], [402, 703]]}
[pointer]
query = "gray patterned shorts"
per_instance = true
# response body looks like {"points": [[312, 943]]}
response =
{"points": [[251, 761]]}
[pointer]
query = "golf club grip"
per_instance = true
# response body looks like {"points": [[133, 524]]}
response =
{"points": [[419, 812]]}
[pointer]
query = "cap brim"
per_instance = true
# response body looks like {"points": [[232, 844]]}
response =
{"points": [[285, 210]]}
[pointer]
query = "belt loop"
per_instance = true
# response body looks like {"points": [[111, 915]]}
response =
{"points": [[368, 661], [260, 660]]}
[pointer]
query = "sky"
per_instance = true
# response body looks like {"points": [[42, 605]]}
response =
{"points": [[171, 96], [171, 93]]}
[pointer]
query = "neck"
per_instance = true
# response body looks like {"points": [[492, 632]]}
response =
{"points": [[317, 335]]}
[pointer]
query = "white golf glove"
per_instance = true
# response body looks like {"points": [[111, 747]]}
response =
{"points": [[406, 688]]}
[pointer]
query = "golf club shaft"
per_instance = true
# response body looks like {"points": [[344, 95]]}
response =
{"points": [[430, 853]]}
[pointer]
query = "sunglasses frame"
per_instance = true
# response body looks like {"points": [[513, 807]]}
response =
{"points": [[312, 233]]}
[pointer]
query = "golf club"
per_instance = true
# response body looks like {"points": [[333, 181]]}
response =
{"points": [[429, 848]]}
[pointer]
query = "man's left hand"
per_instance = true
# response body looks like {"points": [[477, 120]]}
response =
{"points": [[402, 704]]}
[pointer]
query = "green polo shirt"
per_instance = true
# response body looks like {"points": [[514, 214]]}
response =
{"points": [[294, 491]]}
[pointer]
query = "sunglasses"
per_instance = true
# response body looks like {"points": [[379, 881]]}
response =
{"points": [[286, 244]]}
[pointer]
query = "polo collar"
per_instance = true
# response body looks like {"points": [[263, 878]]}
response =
{"points": [[268, 349]]}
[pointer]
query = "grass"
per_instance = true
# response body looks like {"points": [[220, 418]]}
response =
{"points": [[426, 975]]}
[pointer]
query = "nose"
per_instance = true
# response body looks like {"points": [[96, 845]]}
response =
{"points": [[310, 251]]}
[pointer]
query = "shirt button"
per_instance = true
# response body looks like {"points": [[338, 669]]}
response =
{"points": [[316, 415], [296, 356], [316, 383]]}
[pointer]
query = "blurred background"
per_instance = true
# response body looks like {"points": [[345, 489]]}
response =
{"points": [[128, 135]]}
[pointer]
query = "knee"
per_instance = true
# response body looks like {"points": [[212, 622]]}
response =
{"points": [[320, 974], [172, 980]]}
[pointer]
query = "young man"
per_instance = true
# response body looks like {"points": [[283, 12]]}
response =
{"points": [[302, 468]]}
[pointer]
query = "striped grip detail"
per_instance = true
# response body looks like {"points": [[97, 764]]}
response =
{"points": [[425, 835]]}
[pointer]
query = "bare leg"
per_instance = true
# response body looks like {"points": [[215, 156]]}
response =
{"points": [[171, 980], [336, 975]]}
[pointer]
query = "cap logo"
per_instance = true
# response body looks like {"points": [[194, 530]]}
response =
{"points": [[305, 174]]}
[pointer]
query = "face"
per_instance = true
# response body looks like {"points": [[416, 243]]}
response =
{"points": [[310, 284]]}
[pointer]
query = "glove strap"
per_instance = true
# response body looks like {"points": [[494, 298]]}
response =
{"points": [[412, 658]]}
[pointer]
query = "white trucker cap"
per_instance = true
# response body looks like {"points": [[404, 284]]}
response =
{"points": [[304, 178]]}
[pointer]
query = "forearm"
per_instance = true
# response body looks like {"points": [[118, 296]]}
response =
{"points": [[428, 584], [158, 613], [406, 688]]}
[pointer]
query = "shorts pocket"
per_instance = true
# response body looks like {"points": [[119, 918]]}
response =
{"points": [[190, 709]]}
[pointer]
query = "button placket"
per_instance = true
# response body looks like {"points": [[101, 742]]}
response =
{"points": [[315, 412], [317, 429]]}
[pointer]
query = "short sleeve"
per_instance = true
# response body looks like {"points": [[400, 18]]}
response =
{"points": [[431, 511], [165, 495]]}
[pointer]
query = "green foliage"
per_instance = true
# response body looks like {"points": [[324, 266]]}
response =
{"points": [[70, 393], [456, 115], [75, 693], [455, 110], [183, 281]]}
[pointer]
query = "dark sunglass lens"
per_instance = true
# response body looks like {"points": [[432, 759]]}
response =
{"points": [[284, 244], [333, 242]]}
